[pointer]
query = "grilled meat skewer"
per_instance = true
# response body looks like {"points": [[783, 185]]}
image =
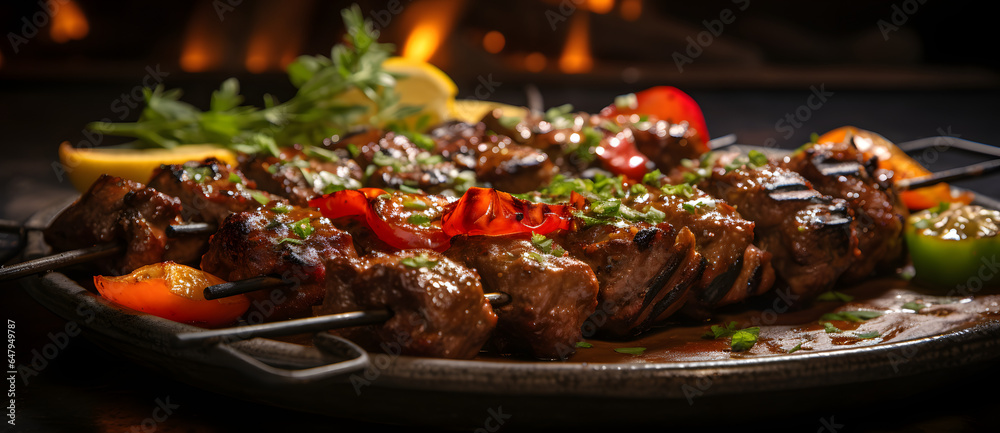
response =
{"points": [[839, 170]]}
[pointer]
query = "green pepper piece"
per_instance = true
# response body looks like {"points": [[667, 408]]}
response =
{"points": [[954, 249]]}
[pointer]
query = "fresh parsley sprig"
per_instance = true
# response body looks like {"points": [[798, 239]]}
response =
{"points": [[317, 110]]}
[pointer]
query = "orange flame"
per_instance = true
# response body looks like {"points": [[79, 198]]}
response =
{"points": [[203, 42], [631, 9], [277, 35], [68, 23], [576, 58], [434, 20], [600, 6], [535, 62]]}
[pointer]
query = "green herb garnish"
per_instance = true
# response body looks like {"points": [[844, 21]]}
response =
{"points": [[631, 350], [851, 316], [796, 348], [290, 241], [260, 197], [421, 261], [235, 178], [546, 245], [742, 339], [281, 208], [584, 345], [414, 204], [419, 219], [314, 113], [303, 228], [830, 329], [834, 296], [866, 335], [914, 306]]}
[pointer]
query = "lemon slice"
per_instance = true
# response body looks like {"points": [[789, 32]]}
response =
{"points": [[84, 166], [420, 84], [473, 110]]}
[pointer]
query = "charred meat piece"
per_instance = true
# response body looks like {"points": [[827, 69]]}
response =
{"points": [[665, 143], [734, 268], [209, 190], [552, 294], [645, 272], [394, 161], [291, 243], [126, 212], [810, 236], [438, 308], [496, 159], [300, 176], [839, 170]]}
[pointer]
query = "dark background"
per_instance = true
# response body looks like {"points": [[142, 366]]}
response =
{"points": [[937, 74]]}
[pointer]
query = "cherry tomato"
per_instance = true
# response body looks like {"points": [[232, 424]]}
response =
{"points": [[619, 155], [664, 103], [404, 221], [487, 211], [174, 292]]}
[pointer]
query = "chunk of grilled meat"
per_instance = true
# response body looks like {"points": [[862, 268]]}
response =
{"points": [[811, 236], [645, 272], [438, 305], [495, 159], [299, 177], [126, 212], [665, 143], [265, 242], [551, 295], [839, 170], [209, 190], [735, 269]]}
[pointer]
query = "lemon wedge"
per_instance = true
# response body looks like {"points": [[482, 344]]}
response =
{"points": [[84, 166], [473, 110], [419, 84]]}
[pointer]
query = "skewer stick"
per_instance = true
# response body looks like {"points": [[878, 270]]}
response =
{"points": [[59, 260], [10, 226], [234, 288], [287, 327], [949, 175], [190, 229], [300, 326]]}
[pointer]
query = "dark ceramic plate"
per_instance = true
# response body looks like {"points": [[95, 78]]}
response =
{"points": [[334, 377]]}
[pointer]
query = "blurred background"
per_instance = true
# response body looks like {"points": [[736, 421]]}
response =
{"points": [[905, 68]]}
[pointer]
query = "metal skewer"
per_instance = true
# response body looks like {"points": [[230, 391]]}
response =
{"points": [[287, 327], [83, 255], [59, 260], [298, 326], [190, 229], [959, 173]]}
